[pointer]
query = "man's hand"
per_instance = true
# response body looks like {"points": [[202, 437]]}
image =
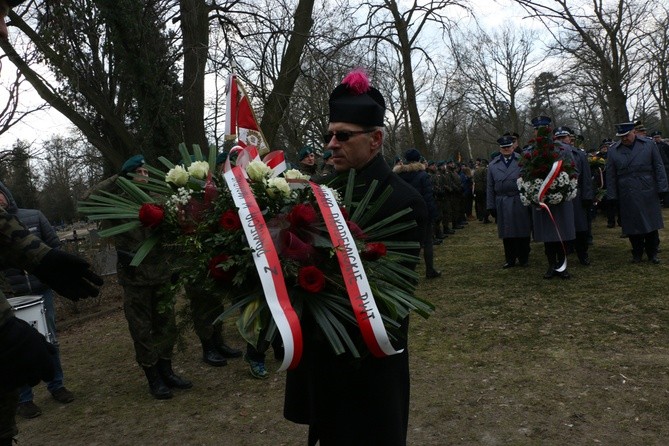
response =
{"points": [[25, 356], [69, 275]]}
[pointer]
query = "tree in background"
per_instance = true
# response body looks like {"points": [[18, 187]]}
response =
{"points": [[19, 175]]}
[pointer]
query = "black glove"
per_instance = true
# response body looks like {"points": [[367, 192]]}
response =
{"points": [[69, 275], [25, 356], [493, 213]]}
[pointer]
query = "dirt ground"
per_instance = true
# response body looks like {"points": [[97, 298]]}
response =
{"points": [[507, 359]]}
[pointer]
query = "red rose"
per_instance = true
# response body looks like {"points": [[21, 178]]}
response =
{"points": [[555, 155], [230, 221], [302, 215], [527, 155], [374, 251], [355, 230], [535, 153], [151, 215], [311, 279], [216, 270]]}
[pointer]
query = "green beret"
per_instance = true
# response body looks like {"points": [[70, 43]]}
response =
{"points": [[221, 157], [305, 151], [132, 164]]}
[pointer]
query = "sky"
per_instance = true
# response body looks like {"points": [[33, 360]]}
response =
{"points": [[43, 125]]}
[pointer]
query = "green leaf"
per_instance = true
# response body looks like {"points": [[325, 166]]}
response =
{"points": [[374, 207], [388, 220], [348, 193], [325, 324], [185, 156], [144, 249], [131, 189], [390, 230], [197, 153], [167, 163], [362, 206], [120, 229], [113, 216]]}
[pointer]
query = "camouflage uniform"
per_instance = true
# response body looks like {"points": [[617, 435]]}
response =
{"points": [[148, 309], [437, 180], [480, 179], [19, 249], [453, 187]]}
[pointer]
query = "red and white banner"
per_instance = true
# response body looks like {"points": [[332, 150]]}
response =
{"points": [[240, 122], [360, 293], [543, 190], [267, 264]]}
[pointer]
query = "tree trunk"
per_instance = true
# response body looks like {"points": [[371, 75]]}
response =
{"points": [[195, 30], [279, 98]]}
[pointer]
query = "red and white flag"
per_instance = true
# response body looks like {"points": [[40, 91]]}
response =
{"points": [[240, 122]]}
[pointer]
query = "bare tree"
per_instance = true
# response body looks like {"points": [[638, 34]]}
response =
{"points": [[656, 50], [498, 67], [402, 29], [602, 38]]}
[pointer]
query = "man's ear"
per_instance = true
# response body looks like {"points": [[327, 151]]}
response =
{"points": [[377, 138]]}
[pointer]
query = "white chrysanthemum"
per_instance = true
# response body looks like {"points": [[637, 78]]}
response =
{"points": [[177, 176], [199, 169], [258, 171], [524, 200], [294, 174], [279, 184]]}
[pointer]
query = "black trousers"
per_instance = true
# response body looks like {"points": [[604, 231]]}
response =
{"points": [[647, 243], [516, 248]]}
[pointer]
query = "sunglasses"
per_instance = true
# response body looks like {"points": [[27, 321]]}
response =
{"points": [[344, 136]]}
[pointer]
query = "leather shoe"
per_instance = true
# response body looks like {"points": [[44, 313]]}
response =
{"points": [[564, 274], [432, 274], [585, 260], [550, 272], [62, 395], [654, 260], [508, 265], [214, 358], [636, 259], [437, 241], [228, 352]]}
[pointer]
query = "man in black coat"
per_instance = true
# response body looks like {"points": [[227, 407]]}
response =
{"points": [[344, 400], [413, 172]]}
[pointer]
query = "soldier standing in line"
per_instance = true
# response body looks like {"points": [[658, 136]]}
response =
{"points": [[664, 153], [585, 193], [554, 233], [636, 179], [454, 195], [443, 200], [148, 306], [503, 203], [480, 191]]}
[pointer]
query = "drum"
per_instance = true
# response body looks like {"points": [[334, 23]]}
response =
{"points": [[31, 309]]}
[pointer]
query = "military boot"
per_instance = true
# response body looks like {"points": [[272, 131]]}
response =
{"points": [[157, 386], [225, 350], [211, 355], [171, 379]]}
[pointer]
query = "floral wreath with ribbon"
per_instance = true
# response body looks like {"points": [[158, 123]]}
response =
{"points": [[276, 246]]}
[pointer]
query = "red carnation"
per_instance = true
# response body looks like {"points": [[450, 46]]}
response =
{"points": [[311, 279], [151, 215], [555, 155], [374, 251], [217, 272], [230, 221], [302, 215]]}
